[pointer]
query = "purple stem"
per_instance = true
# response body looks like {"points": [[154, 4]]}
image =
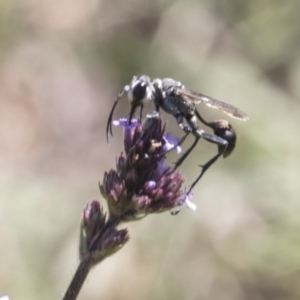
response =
{"points": [[78, 279]]}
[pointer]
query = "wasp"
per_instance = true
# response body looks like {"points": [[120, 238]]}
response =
{"points": [[175, 99]]}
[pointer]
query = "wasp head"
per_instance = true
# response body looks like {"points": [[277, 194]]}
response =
{"points": [[140, 90]]}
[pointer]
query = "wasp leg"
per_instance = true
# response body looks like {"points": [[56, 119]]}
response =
{"points": [[222, 144], [187, 129], [190, 128], [183, 126], [186, 153], [131, 113], [141, 112]]}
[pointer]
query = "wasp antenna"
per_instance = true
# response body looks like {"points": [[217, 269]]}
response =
{"points": [[109, 121]]}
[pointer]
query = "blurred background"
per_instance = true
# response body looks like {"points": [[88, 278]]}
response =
{"points": [[62, 64]]}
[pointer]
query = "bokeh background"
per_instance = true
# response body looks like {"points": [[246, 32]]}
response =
{"points": [[62, 63]]}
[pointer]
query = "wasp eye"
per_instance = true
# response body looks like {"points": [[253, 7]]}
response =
{"points": [[139, 91]]}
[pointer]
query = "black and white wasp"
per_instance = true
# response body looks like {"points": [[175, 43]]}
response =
{"points": [[175, 99]]}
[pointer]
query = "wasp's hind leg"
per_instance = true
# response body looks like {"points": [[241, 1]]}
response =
{"points": [[186, 153], [222, 146]]}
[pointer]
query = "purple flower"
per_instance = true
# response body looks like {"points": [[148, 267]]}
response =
{"points": [[99, 237], [142, 183]]}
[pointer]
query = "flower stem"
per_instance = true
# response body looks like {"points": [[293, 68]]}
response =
{"points": [[78, 278]]}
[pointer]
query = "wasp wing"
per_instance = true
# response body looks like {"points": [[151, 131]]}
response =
{"points": [[228, 109]]}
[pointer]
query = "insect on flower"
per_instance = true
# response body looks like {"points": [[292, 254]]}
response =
{"points": [[142, 183], [180, 102]]}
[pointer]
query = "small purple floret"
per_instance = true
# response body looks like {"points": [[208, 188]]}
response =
{"points": [[191, 205], [151, 184], [124, 122], [171, 142]]}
